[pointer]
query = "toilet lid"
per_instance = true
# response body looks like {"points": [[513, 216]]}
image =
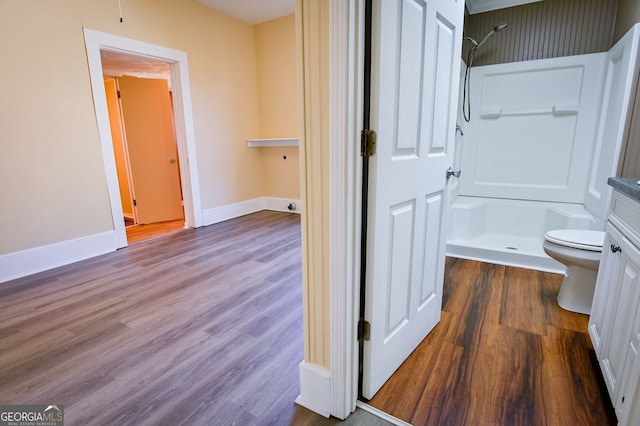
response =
{"points": [[577, 238]]}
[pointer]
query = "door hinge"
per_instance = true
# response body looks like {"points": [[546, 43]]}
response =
{"points": [[134, 203], [118, 94], [364, 330], [368, 143]]}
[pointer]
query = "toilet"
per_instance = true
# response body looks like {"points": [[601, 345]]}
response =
{"points": [[579, 250]]}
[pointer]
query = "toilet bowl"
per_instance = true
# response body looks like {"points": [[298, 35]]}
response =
{"points": [[579, 250]]}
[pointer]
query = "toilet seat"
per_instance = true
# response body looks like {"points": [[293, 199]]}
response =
{"points": [[577, 238]]}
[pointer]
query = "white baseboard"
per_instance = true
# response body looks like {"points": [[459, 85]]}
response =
{"points": [[315, 388], [231, 211], [31, 261], [281, 204]]}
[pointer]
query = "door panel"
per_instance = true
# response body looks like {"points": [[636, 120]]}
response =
{"points": [[153, 156], [415, 49]]}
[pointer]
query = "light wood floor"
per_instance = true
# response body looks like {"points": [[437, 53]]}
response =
{"points": [[504, 353], [137, 233], [199, 327]]}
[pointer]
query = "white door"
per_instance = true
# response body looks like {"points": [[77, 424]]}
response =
{"points": [[416, 49]]}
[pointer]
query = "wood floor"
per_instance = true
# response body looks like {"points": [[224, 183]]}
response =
{"points": [[137, 233], [504, 353], [204, 327], [199, 327]]}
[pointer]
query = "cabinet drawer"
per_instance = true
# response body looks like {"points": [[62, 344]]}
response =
{"points": [[625, 215]]}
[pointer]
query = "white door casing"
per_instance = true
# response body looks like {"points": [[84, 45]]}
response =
{"points": [[96, 41], [416, 50]]}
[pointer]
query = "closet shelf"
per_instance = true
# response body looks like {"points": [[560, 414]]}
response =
{"points": [[256, 143]]}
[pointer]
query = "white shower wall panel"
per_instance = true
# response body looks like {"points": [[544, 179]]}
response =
{"points": [[533, 128]]}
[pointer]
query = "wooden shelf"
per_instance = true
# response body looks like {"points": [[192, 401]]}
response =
{"points": [[256, 143]]}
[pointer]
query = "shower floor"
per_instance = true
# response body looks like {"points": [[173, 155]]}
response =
{"points": [[505, 250]]}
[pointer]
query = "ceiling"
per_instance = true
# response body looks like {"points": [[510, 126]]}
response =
{"points": [[116, 64], [253, 11], [258, 11]]}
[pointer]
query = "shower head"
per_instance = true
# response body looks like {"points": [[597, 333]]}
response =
{"points": [[501, 26]]}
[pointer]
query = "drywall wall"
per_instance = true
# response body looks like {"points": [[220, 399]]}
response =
{"points": [[547, 29], [53, 186], [278, 104]]}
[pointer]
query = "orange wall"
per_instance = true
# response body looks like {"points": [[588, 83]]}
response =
{"points": [[118, 145]]}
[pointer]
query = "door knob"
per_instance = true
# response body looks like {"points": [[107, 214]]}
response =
{"points": [[172, 160], [453, 172]]}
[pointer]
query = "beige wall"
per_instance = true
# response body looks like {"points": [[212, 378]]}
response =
{"points": [[277, 100], [52, 185]]}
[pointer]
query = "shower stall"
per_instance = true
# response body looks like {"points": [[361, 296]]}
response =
{"points": [[541, 139]]}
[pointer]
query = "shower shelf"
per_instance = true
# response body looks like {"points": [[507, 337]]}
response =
{"points": [[556, 110], [256, 143]]}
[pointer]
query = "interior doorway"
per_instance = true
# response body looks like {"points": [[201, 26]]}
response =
{"points": [[138, 95], [176, 61]]}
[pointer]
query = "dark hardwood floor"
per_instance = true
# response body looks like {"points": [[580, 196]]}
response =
{"points": [[204, 327], [504, 353]]}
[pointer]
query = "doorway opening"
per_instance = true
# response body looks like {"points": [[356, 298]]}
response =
{"points": [[139, 101], [180, 103]]}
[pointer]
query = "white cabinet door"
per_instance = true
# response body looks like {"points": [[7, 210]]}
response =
{"points": [[605, 297], [614, 326], [628, 401]]}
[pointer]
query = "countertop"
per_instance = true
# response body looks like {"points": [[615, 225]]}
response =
{"points": [[628, 186]]}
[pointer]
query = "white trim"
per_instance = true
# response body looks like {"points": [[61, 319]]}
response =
{"points": [[31, 261], [315, 388], [96, 41], [346, 72], [480, 6], [231, 211], [281, 204], [381, 414], [254, 143]]}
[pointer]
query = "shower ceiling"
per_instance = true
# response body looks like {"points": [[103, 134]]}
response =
{"points": [[479, 6]]}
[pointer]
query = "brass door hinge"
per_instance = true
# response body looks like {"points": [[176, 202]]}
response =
{"points": [[368, 143], [364, 330]]}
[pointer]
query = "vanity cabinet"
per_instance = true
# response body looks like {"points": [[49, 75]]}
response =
{"points": [[614, 325]]}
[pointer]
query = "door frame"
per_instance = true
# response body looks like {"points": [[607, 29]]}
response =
{"points": [[346, 47], [95, 41]]}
